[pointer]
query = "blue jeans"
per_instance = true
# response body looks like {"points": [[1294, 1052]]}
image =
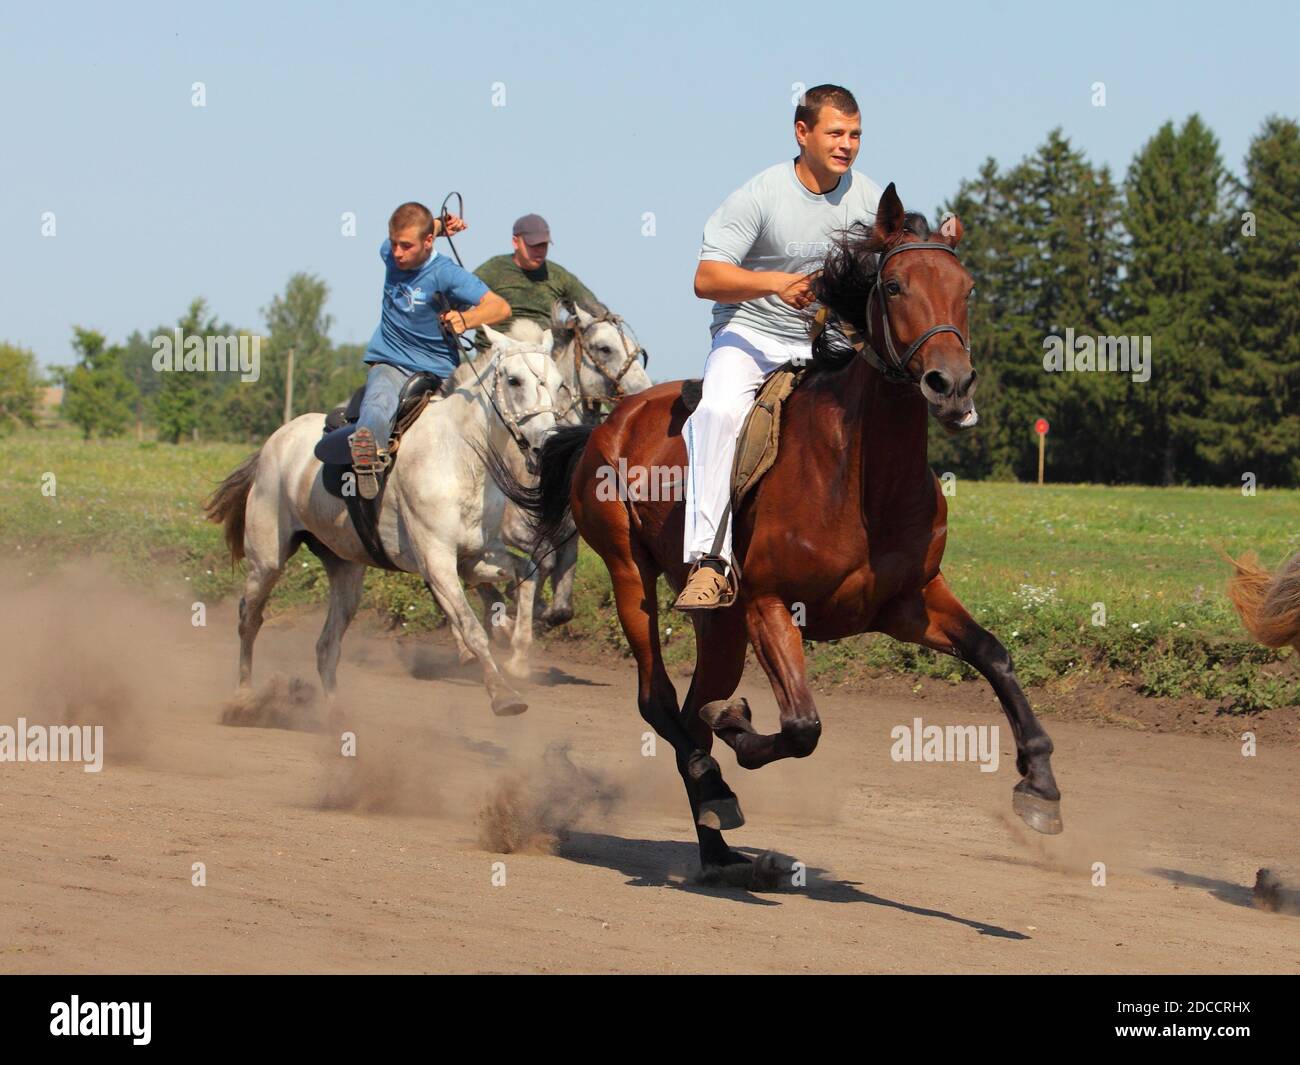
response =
{"points": [[379, 404]]}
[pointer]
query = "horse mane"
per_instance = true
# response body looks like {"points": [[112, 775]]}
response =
{"points": [[846, 278]]}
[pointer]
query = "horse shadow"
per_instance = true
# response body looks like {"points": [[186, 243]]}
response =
{"points": [[673, 864], [431, 661], [1223, 890]]}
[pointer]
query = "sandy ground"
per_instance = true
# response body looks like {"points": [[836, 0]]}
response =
{"points": [[386, 861]]}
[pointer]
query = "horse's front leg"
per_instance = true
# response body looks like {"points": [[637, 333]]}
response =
{"points": [[778, 644], [936, 619]]}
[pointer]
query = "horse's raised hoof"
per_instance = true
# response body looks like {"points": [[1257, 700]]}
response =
{"points": [[1042, 815], [720, 814], [722, 714], [508, 704]]}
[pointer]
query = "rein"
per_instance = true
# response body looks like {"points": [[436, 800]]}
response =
{"points": [[894, 368], [514, 421]]}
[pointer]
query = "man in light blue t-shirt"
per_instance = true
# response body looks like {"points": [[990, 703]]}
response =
{"points": [[428, 300], [760, 248]]}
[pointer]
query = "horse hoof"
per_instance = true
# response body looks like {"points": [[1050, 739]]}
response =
{"points": [[738, 873], [766, 873], [1042, 815], [508, 704], [720, 814], [722, 714]]}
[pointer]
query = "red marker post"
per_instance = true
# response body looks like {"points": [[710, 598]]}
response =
{"points": [[1041, 427]]}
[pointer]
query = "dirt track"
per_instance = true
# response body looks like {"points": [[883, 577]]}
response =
{"points": [[315, 862]]}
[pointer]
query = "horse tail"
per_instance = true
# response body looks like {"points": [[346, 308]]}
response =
{"points": [[1268, 603], [227, 504], [547, 502]]}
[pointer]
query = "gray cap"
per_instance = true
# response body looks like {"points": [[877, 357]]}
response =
{"points": [[533, 228]]}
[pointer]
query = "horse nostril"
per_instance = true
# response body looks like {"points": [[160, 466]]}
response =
{"points": [[939, 383], [967, 385]]}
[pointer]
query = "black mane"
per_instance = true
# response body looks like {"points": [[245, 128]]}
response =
{"points": [[846, 277]]}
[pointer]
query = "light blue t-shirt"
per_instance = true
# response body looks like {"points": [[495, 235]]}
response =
{"points": [[772, 222], [409, 334]]}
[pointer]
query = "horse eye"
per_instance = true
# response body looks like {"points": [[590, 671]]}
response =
{"points": [[970, 293], [513, 382], [893, 288]]}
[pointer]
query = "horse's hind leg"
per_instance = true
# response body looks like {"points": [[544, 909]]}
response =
{"points": [[266, 549], [936, 619], [347, 579]]}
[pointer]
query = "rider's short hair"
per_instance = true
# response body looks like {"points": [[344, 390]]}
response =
{"points": [[412, 214], [810, 106]]}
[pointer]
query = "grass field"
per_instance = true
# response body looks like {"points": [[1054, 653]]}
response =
{"points": [[1036, 565]]}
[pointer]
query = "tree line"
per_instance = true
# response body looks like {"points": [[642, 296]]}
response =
{"points": [[1205, 265]]}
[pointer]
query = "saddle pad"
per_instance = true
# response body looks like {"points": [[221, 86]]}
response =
{"points": [[760, 436]]}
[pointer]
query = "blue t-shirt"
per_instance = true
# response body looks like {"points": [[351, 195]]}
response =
{"points": [[409, 334]]}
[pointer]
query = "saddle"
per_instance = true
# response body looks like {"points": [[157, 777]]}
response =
{"points": [[760, 436], [333, 451]]}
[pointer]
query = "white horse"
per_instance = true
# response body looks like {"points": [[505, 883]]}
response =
{"points": [[601, 364], [440, 516]]}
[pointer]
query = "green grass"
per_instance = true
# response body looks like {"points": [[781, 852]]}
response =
{"points": [[1028, 562]]}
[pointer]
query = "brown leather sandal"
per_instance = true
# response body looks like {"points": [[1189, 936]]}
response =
{"points": [[707, 589]]}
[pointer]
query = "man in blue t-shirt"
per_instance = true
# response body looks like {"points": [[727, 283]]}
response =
{"points": [[414, 332]]}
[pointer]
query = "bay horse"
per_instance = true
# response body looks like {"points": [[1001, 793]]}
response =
{"points": [[850, 523]]}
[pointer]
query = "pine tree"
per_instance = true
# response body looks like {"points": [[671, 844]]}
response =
{"points": [[1175, 292], [1260, 395]]}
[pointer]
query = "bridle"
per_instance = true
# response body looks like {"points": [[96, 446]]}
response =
{"points": [[893, 366], [515, 420], [632, 354]]}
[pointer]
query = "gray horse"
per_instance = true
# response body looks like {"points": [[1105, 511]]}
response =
{"points": [[601, 363], [441, 516]]}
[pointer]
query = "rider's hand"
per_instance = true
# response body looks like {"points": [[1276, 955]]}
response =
{"points": [[451, 225], [455, 321], [797, 293]]}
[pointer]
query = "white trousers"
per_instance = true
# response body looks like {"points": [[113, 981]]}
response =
{"points": [[739, 360]]}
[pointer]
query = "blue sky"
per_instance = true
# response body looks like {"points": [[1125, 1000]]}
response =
{"points": [[610, 112]]}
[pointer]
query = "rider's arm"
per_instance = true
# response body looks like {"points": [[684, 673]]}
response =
{"points": [[490, 310], [729, 234], [728, 283]]}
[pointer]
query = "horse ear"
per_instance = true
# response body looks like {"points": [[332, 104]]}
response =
{"points": [[951, 230], [497, 340], [889, 214], [548, 341], [584, 319], [560, 315]]}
